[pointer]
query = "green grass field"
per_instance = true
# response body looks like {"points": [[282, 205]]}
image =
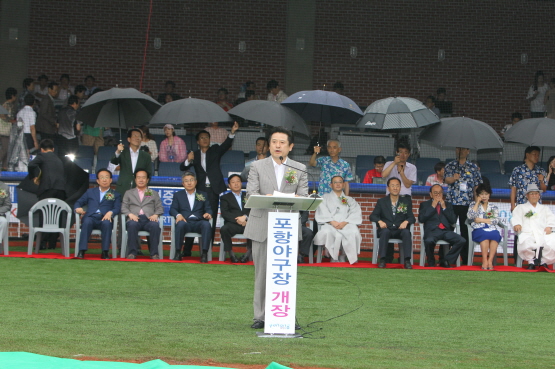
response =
{"points": [[415, 319]]}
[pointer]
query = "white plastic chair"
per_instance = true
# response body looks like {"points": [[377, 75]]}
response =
{"points": [[52, 210], [472, 244], [376, 247], [4, 237], [97, 232], [141, 234], [440, 242], [187, 235]]}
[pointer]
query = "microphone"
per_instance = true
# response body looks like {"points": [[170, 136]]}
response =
{"points": [[314, 192]]}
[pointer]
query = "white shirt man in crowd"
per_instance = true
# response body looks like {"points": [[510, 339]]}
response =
{"points": [[400, 168]]}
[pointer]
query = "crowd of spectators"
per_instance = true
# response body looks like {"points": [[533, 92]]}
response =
{"points": [[44, 116]]}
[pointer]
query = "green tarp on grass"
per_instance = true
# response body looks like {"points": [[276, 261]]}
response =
{"points": [[26, 360]]}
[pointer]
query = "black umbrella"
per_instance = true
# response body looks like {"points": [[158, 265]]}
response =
{"points": [[118, 108], [77, 183], [271, 113], [324, 106], [190, 110]]}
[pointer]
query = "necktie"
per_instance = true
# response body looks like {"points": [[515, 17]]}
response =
{"points": [[141, 196], [438, 208]]}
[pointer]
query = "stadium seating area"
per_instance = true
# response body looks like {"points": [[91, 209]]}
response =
{"points": [[495, 165]]}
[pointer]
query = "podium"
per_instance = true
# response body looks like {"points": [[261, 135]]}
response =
{"points": [[281, 260]]}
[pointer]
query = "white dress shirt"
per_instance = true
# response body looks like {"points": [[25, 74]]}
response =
{"points": [[280, 171]]}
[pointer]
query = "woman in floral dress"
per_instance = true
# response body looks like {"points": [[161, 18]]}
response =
{"points": [[486, 231]]}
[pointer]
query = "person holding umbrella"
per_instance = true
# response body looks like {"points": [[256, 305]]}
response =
{"points": [[331, 166], [400, 168], [523, 175], [206, 161], [129, 159], [462, 178]]}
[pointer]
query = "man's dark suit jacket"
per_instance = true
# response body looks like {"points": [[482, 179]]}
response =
{"points": [[51, 170], [46, 118], [91, 199], [126, 181], [213, 156], [230, 208], [428, 216], [180, 205], [383, 212]]}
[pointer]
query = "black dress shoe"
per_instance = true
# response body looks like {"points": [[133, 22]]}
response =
{"points": [[105, 255], [42, 246], [408, 264], [300, 259], [204, 257], [177, 257], [258, 324], [186, 254], [444, 264], [81, 254], [233, 259], [244, 259], [531, 267], [545, 266], [432, 263], [139, 252], [381, 264]]}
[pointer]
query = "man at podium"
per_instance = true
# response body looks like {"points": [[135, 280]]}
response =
{"points": [[275, 173]]}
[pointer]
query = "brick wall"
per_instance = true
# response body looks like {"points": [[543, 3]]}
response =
{"points": [[397, 45], [200, 43]]}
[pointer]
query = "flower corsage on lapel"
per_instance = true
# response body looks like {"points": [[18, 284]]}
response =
{"points": [[490, 214], [344, 200], [148, 192], [199, 197], [109, 196], [291, 176], [529, 214], [3, 194], [402, 208]]}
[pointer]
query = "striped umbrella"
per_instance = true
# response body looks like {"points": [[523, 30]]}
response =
{"points": [[397, 113]]}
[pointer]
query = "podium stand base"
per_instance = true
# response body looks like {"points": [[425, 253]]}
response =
{"points": [[278, 335]]}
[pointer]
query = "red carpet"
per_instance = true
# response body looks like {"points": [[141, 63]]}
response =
{"points": [[326, 264]]}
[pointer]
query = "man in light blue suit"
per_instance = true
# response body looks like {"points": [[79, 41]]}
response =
{"points": [[192, 212], [103, 204]]}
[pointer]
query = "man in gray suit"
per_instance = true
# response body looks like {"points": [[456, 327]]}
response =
{"points": [[142, 206], [265, 177]]}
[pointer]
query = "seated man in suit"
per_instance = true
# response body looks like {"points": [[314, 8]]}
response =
{"points": [[192, 212], [339, 216], [393, 215], [142, 207], [437, 215], [102, 205], [235, 214]]}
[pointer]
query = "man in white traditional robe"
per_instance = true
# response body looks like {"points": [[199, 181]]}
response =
{"points": [[533, 222], [339, 216]]}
